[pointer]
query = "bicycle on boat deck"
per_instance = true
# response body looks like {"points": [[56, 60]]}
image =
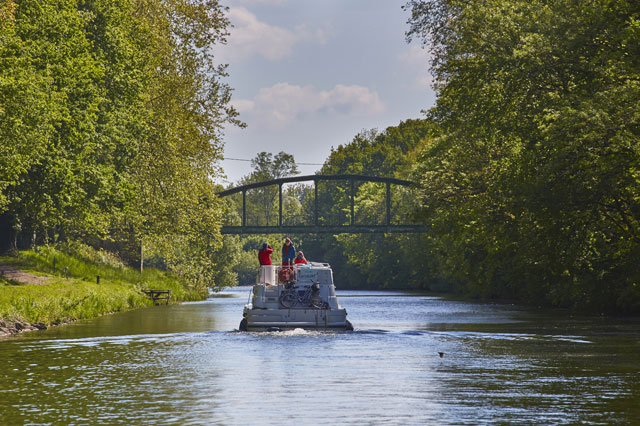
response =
{"points": [[304, 298]]}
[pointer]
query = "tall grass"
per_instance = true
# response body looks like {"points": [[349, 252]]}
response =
{"points": [[62, 302], [79, 296]]}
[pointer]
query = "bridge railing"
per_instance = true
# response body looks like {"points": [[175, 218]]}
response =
{"points": [[293, 220], [343, 192]]}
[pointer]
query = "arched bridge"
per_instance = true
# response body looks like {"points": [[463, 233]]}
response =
{"points": [[317, 226]]}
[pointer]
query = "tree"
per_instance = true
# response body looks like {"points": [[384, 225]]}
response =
{"points": [[24, 107], [532, 189], [268, 167], [365, 261], [373, 260], [52, 98], [111, 117]]}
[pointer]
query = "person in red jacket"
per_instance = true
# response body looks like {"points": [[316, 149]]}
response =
{"points": [[264, 255], [300, 260]]}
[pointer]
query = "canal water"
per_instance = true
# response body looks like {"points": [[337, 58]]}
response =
{"points": [[413, 359]]}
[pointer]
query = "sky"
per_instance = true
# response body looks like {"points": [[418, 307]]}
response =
{"points": [[309, 75]]}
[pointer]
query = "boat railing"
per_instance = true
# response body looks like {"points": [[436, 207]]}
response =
{"points": [[284, 274]]}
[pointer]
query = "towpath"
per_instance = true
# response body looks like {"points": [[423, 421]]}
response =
{"points": [[10, 273]]}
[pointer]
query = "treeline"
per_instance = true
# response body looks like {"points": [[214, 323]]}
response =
{"points": [[110, 119], [393, 261], [532, 189], [528, 165]]}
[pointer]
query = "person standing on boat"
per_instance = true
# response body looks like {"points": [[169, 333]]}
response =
{"points": [[300, 260], [288, 252], [264, 255]]}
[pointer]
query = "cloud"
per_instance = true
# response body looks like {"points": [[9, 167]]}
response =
{"points": [[283, 103], [250, 37], [417, 60], [416, 55]]}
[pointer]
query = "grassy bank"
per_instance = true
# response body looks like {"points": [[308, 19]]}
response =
{"points": [[62, 299]]}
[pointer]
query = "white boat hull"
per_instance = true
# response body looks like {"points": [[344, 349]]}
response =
{"points": [[310, 318]]}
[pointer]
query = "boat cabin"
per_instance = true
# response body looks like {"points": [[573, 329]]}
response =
{"points": [[273, 280]]}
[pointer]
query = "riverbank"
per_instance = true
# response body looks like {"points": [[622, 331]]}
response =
{"points": [[46, 287]]}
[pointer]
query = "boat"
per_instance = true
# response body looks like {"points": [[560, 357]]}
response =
{"points": [[294, 296]]}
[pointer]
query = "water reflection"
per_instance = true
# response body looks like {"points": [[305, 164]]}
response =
{"points": [[186, 365]]}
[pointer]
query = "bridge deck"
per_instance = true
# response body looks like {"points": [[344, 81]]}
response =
{"points": [[345, 229]]}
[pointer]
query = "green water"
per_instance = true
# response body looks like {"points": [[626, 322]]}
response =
{"points": [[186, 364]]}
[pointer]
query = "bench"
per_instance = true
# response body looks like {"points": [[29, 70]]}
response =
{"points": [[157, 295]]}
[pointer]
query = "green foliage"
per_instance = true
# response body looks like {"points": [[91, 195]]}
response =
{"points": [[372, 153], [79, 297], [262, 203], [85, 254], [57, 303], [110, 126], [238, 257], [365, 261], [246, 267], [385, 260], [532, 189], [84, 263], [372, 260]]}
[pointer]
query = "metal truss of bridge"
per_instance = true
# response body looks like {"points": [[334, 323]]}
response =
{"points": [[317, 226]]}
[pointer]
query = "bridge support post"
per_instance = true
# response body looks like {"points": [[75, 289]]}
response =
{"points": [[315, 202], [279, 204], [353, 217], [388, 203], [244, 208]]}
